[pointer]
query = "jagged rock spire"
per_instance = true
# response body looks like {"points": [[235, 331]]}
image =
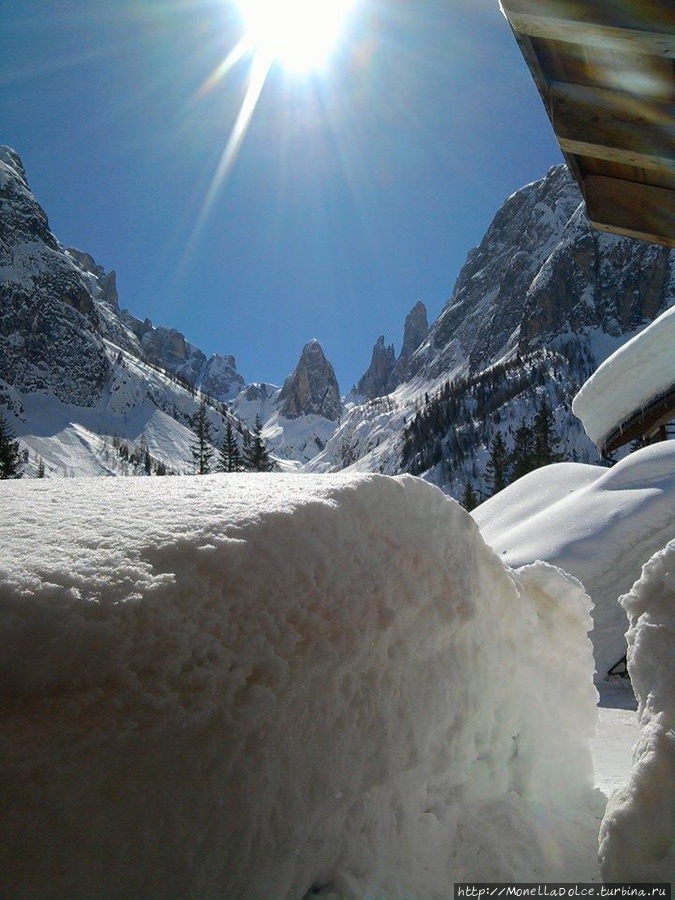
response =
{"points": [[385, 371], [415, 331], [312, 388], [376, 381]]}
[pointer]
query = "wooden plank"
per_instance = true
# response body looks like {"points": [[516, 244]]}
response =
{"points": [[660, 410], [630, 208], [643, 27], [614, 126]]}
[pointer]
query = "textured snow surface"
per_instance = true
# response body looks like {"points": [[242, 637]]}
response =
{"points": [[633, 375], [600, 525], [637, 838], [267, 687]]}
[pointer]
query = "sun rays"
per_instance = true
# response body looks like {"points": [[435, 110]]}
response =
{"points": [[297, 35]]}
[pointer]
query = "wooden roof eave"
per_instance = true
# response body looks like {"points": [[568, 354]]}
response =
{"points": [[658, 411], [608, 86]]}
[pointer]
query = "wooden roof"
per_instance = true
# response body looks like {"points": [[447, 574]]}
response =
{"points": [[605, 70], [643, 423]]}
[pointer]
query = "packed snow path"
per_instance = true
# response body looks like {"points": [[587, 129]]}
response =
{"points": [[277, 686]]}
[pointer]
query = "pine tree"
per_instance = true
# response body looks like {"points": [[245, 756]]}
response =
{"points": [[10, 455], [469, 499], [256, 455], [202, 449], [497, 467], [523, 453], [545, 438], [229, 457]]}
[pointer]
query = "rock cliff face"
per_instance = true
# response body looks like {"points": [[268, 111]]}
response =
{"points": [[106, 281], [312, 389], [58, 307], [167, 348], [378, 380], [415, 330], [49, 335], [385, 371], [542, 271], [545, 296]]}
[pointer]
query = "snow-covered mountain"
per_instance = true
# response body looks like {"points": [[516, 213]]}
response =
{"points": [[92, 390], [537, 306]]}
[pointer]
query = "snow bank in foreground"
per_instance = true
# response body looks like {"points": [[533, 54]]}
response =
{"points": [[638, 831], [601, 525], [279, 686], [638, 371]]}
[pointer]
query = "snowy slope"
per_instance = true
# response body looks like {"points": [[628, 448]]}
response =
{"points": [[139, 407], [600, 525], [283, 686]]}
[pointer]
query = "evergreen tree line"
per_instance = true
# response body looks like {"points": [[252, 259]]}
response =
{"points": [[455, 422], [535, 444], [251, 456], [138, 458]]}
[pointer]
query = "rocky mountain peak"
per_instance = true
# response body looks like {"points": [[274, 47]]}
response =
{"points": [[106, 281], [385, 371], [49, 325], [11, 158], [415, 330], [541, 270], [377, 379], [312, 389]]}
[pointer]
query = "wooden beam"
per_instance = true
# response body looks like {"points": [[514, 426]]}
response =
{"points": [[630, 208], [660, 410], [645, 27], [614, 126]]}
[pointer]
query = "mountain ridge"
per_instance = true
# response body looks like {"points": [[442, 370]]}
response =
{"points": [[543, 294]]}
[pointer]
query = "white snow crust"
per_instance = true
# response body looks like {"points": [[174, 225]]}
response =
{"points": [[640, 370], [281, 686], [637, 837], [600, 525]]}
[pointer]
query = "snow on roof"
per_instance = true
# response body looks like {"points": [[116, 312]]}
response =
{"points": [[280, 686], [600, 525], [638, 372]]}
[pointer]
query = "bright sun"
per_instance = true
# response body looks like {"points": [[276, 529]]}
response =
{"points": [[299, 34]]}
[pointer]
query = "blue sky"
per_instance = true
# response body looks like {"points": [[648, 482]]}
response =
{"points": [[356, 191]]}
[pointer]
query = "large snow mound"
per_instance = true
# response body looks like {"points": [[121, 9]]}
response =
{"points": [[638, 832], [282, 686], [640, 370], [600, 525]]}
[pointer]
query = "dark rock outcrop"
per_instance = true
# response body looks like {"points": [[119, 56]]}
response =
{"points": [[49, 325], [542, 271], [377, 380], [312, 389]]}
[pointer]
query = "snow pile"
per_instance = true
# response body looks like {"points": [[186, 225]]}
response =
{"points": [[637, 838], [636, 373], [282, 686], [600, 525]]}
